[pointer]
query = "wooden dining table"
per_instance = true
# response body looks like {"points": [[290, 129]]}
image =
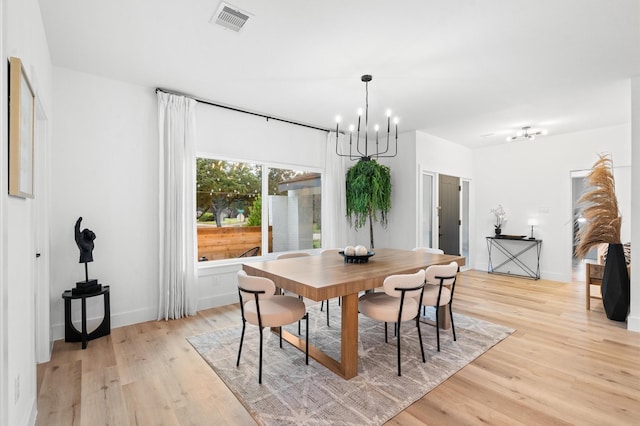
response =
{"points": [[327, 276]]}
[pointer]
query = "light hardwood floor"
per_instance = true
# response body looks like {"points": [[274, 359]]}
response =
{"points": [[563, 365]]}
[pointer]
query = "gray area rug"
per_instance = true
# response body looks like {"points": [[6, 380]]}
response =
{"points": [[293, 393]]}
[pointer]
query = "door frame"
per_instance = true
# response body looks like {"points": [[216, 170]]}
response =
{"points": [[419, 242], [42, 298], [465, 211]]}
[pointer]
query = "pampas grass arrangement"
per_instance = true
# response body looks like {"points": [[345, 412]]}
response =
{"points": [[600, 209]]}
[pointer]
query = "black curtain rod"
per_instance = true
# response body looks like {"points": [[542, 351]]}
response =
{"points": [[268, 117]]}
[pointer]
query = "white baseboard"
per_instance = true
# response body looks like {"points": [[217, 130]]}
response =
{"points": [[633, 323], [117, 320], [218, 300]]}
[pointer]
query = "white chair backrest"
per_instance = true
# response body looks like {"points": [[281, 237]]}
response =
{"points": [[290, 255], [428, 250], [249, 282], [433, 271], [403, 281], [330, 252]]}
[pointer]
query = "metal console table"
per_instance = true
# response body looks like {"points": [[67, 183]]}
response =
{"points": [[514, 256]]}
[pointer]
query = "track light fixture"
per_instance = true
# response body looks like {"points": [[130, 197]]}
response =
{"points": [[528, 133]]}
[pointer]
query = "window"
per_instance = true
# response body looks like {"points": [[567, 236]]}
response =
{"points": [[230, 209]]}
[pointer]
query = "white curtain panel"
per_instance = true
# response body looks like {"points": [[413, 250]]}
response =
{"points": [[177, 251], [334, 208]]}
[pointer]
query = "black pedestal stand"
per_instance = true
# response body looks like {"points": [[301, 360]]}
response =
{"points": [[87, 286]]}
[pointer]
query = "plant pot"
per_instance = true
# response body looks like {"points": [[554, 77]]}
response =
{"points": [[615, 284], [498, 231]]}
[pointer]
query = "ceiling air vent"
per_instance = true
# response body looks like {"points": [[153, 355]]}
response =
{"points": [[230, 17]]}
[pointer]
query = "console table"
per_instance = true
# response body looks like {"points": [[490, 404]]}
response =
{"points": [[72, 334], [514, 256]]}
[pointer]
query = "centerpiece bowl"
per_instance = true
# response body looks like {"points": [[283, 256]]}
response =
{"points": [[355, 258]]}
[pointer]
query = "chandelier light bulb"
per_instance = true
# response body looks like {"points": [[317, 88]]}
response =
{"points": [[351, 128], [359, 112], [376, 127], [388, 113], [338, 119], [395, 120]]}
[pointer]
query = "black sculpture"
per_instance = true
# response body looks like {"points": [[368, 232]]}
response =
{"points": [[84, 240]]}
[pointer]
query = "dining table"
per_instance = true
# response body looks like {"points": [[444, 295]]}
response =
{"points": [[327, 276]]}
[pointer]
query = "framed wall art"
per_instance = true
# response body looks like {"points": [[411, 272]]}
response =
{"points": [[21, 131]]}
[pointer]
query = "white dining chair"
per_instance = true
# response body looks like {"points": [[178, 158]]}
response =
{"points": [[259, 305], [428, 250], [440, 283], [408, 288]]}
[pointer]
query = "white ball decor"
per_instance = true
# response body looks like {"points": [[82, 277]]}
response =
{"points": [[361, 250], [350, 251]]}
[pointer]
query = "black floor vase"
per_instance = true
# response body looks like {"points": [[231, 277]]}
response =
{"points": [[615, 284]]}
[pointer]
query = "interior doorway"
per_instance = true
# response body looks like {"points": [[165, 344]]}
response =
{"points": [[444, 204], [449, 214], [578, 187]]}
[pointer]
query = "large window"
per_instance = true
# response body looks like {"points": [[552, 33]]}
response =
{"points": [[231, 209]]}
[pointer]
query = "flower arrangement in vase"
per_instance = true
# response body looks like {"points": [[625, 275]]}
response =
{"points": [[500, 215]]}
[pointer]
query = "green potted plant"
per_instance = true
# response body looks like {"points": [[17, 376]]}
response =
{"points": [[602, 225], [368, 193]]}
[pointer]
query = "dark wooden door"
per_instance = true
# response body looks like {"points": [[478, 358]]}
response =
{"points": [[449, 214]]}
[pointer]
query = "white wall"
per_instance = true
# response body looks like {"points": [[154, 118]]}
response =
{"points": [[23, 37], [533, 179], [105, 169], [233, 135], [401, 230]]}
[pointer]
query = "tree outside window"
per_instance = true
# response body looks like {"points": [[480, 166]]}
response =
{"points": [[230, 204]]}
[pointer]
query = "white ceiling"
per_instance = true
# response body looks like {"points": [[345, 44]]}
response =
{"points": [[457, 69]]}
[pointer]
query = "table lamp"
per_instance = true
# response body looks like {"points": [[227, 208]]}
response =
{"points": [[532, 223]]}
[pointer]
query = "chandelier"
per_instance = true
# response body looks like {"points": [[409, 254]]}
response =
{"points": [[362, 152], [528, 133]]}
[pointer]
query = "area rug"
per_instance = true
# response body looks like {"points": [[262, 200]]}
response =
{"points": [[293, 393]]}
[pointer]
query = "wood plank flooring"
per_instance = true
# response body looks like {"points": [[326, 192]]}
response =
{"points": [[563, 365]]}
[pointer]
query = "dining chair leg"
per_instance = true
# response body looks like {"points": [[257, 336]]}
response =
{"points": [[280, 333], [244, 325], [327, 312], [385, 333], [299, 297], [452, 327], [260, 362], [321, 308], [420, 338], [398, 344], [437, 329], [306, 338]]}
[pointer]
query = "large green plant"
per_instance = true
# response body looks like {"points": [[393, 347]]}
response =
{"points": [[368, 194]]}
